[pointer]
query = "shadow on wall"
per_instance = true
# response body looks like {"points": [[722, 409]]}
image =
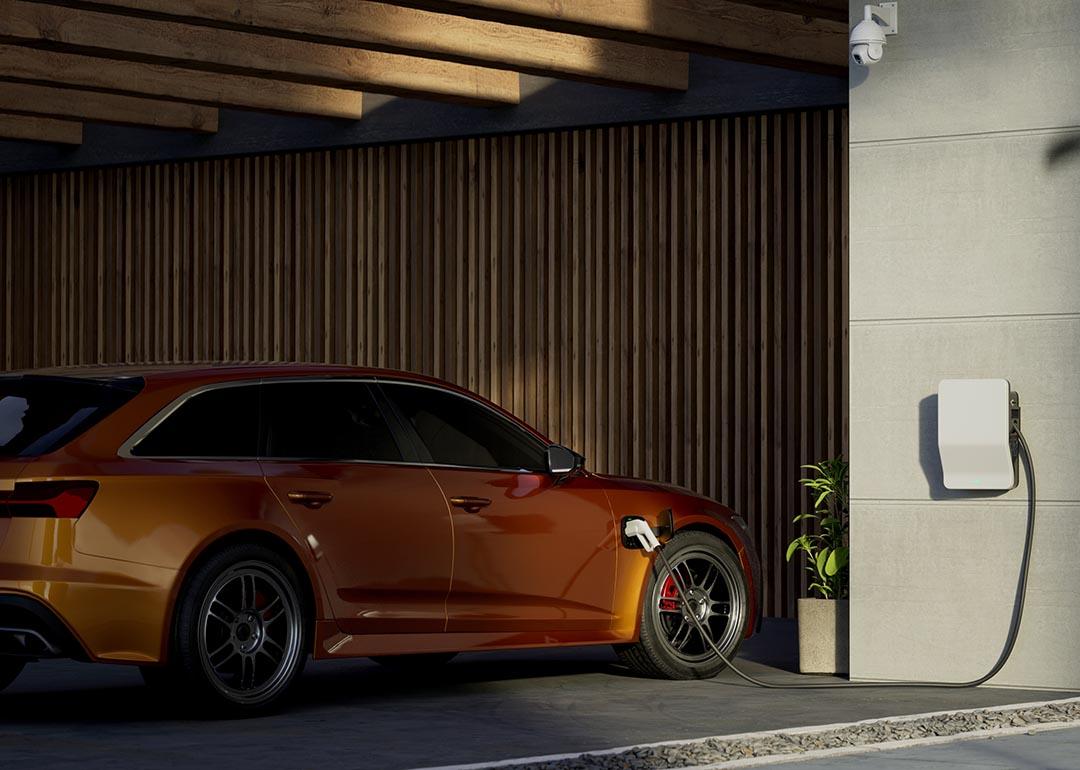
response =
{"points": [[1061, 150], [930, 460]]}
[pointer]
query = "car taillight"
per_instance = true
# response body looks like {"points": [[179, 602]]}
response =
{"points": [[48, 499]]}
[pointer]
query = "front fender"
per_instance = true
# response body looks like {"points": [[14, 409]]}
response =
{"points": [[689, 512]]}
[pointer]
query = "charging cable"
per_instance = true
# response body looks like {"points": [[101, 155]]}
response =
{"points": [[640, 529]]}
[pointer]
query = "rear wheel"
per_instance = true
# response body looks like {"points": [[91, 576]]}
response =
{"points": [[670, 646], [10, 668], [241, 631]]}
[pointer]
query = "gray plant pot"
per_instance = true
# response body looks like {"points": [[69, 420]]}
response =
{"points": [[823, 636]]}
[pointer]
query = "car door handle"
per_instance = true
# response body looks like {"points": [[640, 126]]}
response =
{"points": [[470, 504], [309, 499]]}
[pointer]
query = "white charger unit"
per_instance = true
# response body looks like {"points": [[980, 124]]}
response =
{"points": [[975, 434]]}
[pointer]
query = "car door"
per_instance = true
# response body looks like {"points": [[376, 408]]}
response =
{"points": [[531, 552], [380, 523]]}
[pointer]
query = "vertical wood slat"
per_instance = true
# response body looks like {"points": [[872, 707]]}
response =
{"points": [[669, 298]]}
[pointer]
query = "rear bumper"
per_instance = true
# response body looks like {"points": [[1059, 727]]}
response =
{"points": [[80, 606], [107, 623], [29, 629]]}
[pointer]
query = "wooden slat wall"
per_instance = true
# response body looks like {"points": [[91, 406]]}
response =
{"points": [[669, 299]]}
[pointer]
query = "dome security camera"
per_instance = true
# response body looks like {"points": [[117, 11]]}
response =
{"points": [[868, 36]]}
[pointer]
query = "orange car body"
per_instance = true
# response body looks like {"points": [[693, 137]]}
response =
{"points": [[393, 567]]}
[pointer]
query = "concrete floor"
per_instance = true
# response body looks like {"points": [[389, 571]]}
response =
{"points": [[481, 707]]}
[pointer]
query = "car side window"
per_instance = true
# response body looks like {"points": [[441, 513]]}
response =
{"points": [[327, 420], [220, 423], [459, 431]]}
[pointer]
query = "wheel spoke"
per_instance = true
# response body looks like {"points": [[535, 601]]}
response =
{"points": [[247, 672], [213, 612], [709, 580], [269, 657], [228, 643], [218, 666], [247, 592], [686, 576], [682, 635], [275, 617], [270, 606]]}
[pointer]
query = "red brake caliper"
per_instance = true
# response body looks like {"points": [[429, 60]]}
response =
{"points": [[669, 595]]}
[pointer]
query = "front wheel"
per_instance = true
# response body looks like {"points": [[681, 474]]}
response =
{"points": [[670, 645], [241, 631], [10, 668]]}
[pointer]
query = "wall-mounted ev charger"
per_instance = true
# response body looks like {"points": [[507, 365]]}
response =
{"points": [[979, 439], [977, 423]]}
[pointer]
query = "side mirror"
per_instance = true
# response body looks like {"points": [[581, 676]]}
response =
{"points": [[561, 460]]}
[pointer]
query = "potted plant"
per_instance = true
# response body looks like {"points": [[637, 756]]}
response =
{"points": [[823, 620]]}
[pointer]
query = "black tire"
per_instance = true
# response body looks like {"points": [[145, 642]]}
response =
{"points": [[416, 663], [10, 668], [242, 633], [657, 653]]}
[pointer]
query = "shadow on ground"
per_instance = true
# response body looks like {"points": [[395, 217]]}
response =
{"points": [[480, 707]]}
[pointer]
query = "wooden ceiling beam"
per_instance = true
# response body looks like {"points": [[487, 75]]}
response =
{"points": [[244, 53], [412, 31], [833, 10], [36, 65], [33, 128], [106, 108], [739, 29]]}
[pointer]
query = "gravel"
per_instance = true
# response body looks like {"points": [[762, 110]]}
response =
{"points": [[715, 750]]}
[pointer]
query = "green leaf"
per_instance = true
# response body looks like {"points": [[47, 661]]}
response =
{"points": [[822, 496], [830, 565], [820, 560], [793, 546], [802, 516]]}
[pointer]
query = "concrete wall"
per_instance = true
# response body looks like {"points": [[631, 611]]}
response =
{"points": [[965, 261]]}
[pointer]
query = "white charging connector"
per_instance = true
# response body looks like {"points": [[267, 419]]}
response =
{"points": [[640, 529]]}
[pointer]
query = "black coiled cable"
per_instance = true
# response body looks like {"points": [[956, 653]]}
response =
{"points": [[1010, 642]]}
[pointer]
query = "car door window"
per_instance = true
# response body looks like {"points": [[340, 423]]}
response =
{"points": [[460, 431], [326, 421], [221, 422]]}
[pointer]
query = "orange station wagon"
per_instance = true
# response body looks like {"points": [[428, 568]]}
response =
{"points": [[217, 525]]}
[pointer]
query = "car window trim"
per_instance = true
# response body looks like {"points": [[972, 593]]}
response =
{"points": [[395, 420], [401, 463], [420, 444]]}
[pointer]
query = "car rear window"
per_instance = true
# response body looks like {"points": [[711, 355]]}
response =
{"points": [[222, 422], [41, 413]]}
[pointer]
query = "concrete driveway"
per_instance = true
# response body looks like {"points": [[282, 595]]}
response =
{"points": [[481, 707]]}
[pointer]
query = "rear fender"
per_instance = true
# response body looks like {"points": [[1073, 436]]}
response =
{"points": [[247, 531]]}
